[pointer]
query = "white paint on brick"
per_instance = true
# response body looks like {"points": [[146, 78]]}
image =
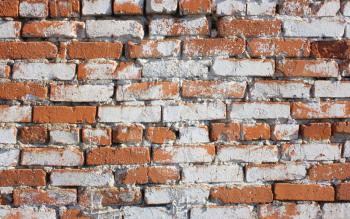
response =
{"points": [[243, 67], [28, 212], [129, 113], [328, 8], [100, 70], [16, 114], [68, 29], [164, 26], [9, 157], [302, 211], [314, 27], [92, 136], [212, 174], [346, 8], [174, 68], [259, 110], [194, 111], [82, 93], [347, 149], [161, 6], [61, 197], [66, 157], [230, 7], [32, 9], [178, 194], [123, 29], [211, 212], [44, 71], [97, 7], [3, 70], [261, 7], [328, 68], [129, 72], [280, 89], [336, 210], [190, 135], [9, 29], [189, 154], [248, 153], [85, 177], [332, 89], [8, 135], [275, 172], [64, 136], [147, 212], [285, 132], [311, 152]]}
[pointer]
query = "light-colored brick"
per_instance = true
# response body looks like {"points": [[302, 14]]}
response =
{"points": [[154, 48], [15, 113], [347, 149], [179, 194], [311, 152], [328, 8], [33, 9], [28, 212], [346, 8], [261, 7], [8, 135], [147, 212], [184, 154], [320, 110], [285, 132], [9, 157], [64, 136], [191, 135], [230, 7], [314, 27], [97, 136], [194, 111], [123, 29], [212, 174], [161, 6], [81, 93], [4, 71], [81, 177], [46, 29], [307, 210], [248, 153], [209, 212], [336, 210], [174, 69], [129, 113], [43, 71], [332, 89], [243, 67], [9, 29], [259, 110], [97, 7], [275, 172]]}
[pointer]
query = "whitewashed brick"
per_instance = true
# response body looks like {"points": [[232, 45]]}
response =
{"points": [[194, 111], [27, 212], [4, 70], [64, 136], [190, 135], [212, 174], [147, 212], [33, 9], [300, 211], [248, 153], [211, 212], [245, 67], [52, 157], [129, 113], [174, 68], [347, 149], [285, 132], [81, 177], [336, 210], [275, 172], [346, 8], [280, 89], [98, 70], [97, 7], [314, 27], [259, 110], [179, 194], [68, 29], [332, 89], [9, 157], [8, 135], [327, 8], [161, 6], [114, 28], [15, 113], [186, 154], [128, 71], [9, 29], [44, 71], [230, 7], [261, 7], [96, 136], [82, 93], [311, 152]]}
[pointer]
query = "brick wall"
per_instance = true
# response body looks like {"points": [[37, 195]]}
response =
{"points": [[174, 109]]}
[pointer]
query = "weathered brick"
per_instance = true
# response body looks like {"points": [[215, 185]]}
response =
{"points": [[311, 152], [341, 130], [134, 7], [295, 7], [94, 50], [22, 177], [332, 89], [9, 8], [81, 93], [259, 110], [264, 7], [52, 157], [8, 135], [256, 131], [222, 211], [64, 136], [275, 172], [4, 71], [154, 48], [244, 194], [212, 174], [97, 7], [225, 131], [33, 135], [243, 67], [307, 210], [33, 8], [316, 131], [43, 29], [195, 6], [9, 157], [285, 132], [48, 213], [229, 7], [303, 192], [27, 50], [97, 136], [129, 113], [185, 154], [146, 212], [9, 29], [64, 8], [123, 29], [15, 113], [192, 135], [320, 110], [161, 6], [160, 135], [129, 134], [248, 153], [22, 91], [64, 114], [343, 191], [331, 49], [118, 156], [336, 210], [321, 172], [81, 177], [147, 91]]}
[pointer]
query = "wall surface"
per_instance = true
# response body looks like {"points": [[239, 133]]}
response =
{"points": [[187, 109]]}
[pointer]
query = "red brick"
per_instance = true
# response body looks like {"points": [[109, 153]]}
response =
{"points": [[303, 192], [64, 114], [256, 131], [339, 49], [343, 192], [128, 7], [97, 136], [316, 131], [131, 134], [33, 135], [64, 8], [225, 131], [195, 6], [93, 50], [160, 135], [154, 48], [339, 171], [22, 177], [9, 8], [19, 90], [27, 50]]}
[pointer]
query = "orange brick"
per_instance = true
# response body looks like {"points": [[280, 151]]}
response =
{"points": [[195, 6], [128, 134], [225, 131], [22, 177], [160, 135], [316, 131], [64, 114], [343, 192], [128, 7], [256, 131], [33, 135], [19, 90], [93, 50], [27, 50], [9, 8], [339, 171], [64, 8], [303, 192]]}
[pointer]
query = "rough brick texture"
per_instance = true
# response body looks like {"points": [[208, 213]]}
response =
{"points": [[183, 109]]}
